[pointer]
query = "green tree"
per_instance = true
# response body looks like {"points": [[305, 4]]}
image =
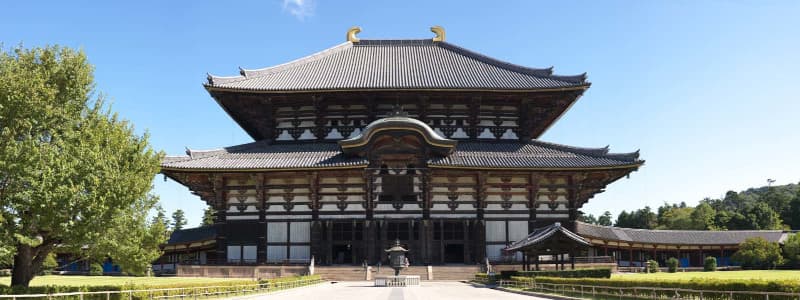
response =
{"points": [[762, 217], [208, 216], [793, 219], [131, 240], [757, 252], [703, 217], [791, 249], [178, 219], [677, 218], [589, 219], [68, 166], [161, 217], [642, 218], [605, 219], [779, 199]]}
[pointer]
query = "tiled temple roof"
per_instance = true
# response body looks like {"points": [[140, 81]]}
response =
{"points": [[506, 154], [189, 235], [675, 237], [541, 234], [396, 65]]}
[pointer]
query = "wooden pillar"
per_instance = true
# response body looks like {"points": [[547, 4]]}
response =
{"points": [[383, 240], [466, 246], [630, 256], [369, 241], [261, 247], [480, 240], [572, 259], [441, 241], [526, 265], [329, 244]]}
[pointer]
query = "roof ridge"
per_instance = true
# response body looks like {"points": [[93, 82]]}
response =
{"points": [[248, 74], [197, 154], [675, 230], [542, 72], [602, 152]]}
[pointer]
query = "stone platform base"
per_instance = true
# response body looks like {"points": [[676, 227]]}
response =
{"points": [[407, 280]]}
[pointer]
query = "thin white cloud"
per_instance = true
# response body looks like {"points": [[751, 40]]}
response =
{"points": [[300, 9]]}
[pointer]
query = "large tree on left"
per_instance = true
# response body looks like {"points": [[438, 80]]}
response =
{"points": [[71, 172]]}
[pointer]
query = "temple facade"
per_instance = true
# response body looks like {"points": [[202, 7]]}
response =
{"points": [[373, 141]]}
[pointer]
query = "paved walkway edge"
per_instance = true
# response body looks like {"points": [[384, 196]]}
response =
{"points": [[526, 293], [278, 291]]}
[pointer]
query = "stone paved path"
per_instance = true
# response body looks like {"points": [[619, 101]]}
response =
{"points": [[365, 290]]}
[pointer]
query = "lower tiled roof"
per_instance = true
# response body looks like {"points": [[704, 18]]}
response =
{"points": [[189, 235], [507, 154], [675, 237]]}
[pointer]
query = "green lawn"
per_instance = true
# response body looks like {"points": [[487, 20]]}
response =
{"points": [[759, 274], [71, 280]]}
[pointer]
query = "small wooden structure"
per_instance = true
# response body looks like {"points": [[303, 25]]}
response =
{"points": [[553, 240]]}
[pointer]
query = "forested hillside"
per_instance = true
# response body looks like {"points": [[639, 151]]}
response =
{"points": [[767, 207]]}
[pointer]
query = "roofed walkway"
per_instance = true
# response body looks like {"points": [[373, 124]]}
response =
{"points": [[365, 290]]}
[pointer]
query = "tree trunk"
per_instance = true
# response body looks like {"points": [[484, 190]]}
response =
{"points": [[22, 272], [28, 262]]}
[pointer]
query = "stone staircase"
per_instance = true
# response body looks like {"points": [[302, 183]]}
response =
{"points": [[356, 273], [455, 272], [340, 273]]}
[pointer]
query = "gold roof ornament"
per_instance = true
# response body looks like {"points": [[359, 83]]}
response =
{"points": [[351, 34], [439, 31]]}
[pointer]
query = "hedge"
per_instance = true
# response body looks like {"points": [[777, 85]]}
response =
{"points": [[580, 273], [721, 287], [219, 287], [485, 278]]}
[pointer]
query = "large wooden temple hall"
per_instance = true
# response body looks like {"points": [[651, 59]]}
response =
{"points": [[373, 141]]}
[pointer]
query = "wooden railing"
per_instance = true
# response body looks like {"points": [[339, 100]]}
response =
{"points": [[606, 292]]}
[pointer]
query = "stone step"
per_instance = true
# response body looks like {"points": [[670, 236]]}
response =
{"points": [[355, 273]]}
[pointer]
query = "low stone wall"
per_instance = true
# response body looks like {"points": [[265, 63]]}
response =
{"points": [[612, 266], [256, 272]]}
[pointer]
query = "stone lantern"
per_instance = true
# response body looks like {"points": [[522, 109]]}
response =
{"points": [[397, 257]]}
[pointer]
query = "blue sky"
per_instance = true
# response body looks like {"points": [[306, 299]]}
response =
{"points": [[706, 89]]}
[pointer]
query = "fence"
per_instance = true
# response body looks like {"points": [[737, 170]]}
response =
{"points": [[172, 293], [609, 292]]}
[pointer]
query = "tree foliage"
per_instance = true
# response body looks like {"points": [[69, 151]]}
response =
{"points": [[589, 219], [70, 170], [791, 249], [757, 252], [605, 219], [642, 218], [764, 208], [208, 216], [178, 219]]}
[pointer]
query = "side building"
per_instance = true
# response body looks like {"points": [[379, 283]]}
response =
{"points": [[373, 141]]}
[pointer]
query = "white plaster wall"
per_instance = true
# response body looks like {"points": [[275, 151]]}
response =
{"points": [[276, 253], [494, 250], [454, 216], [517, 230], [300, 232], [276, 232], [250, 217], [442, 189], [495, 231], [299, 252]]}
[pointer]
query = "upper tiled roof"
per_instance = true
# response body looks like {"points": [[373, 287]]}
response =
{"points": [[675, 237], [396, 65], [512, 154]]}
